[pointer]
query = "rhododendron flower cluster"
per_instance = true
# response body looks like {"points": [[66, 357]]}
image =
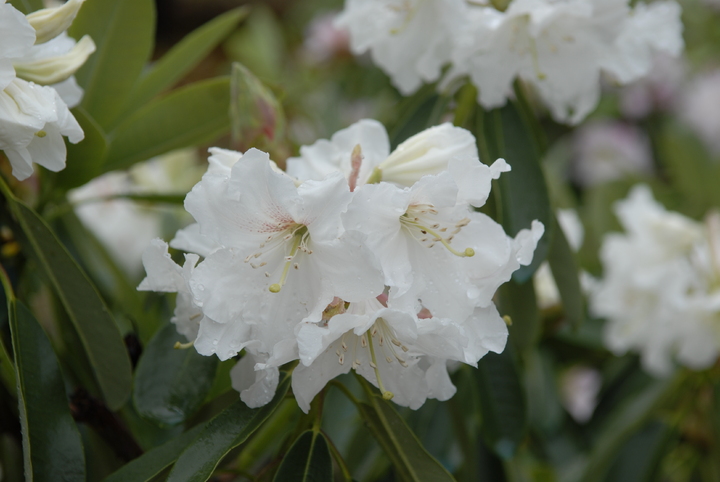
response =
{"points": [[559, 47], [37, 61], [356, 258], [660, 290]]}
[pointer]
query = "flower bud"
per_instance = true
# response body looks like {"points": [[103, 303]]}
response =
{"points": [[427, 153], [51, 70], [51, 22]]}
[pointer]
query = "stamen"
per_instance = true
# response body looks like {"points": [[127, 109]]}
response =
{"points": [[299, 239], [355, 162], [385, 394], [469, 252], [183, 346]]}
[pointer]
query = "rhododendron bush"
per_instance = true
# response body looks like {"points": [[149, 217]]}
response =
{"points": [[418, 240]]}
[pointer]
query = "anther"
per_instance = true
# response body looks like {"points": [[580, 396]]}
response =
{"points": [[341, 359], [363, 341], [388, 359], [372, 365]]}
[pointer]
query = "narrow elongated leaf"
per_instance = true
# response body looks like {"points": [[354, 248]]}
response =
{"points": [[308, 460], [124, 35], [52, 448], [183, 57], [189, 116], [621, 425], [223, 433], [7, 370], [502, 403], [565, 271], [153, 462], [90, 317], [639, 458], [171, 384], [408, 456], [523, 192], [84, 159]]}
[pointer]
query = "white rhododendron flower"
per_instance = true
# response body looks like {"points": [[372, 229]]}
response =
{"points": [[411, 40], [372, 260], [35, 54], [559, 47], [659, 291]]}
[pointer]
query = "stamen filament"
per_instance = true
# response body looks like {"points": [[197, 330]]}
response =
{"points": [[385, 394], [276, 287], [469, 252]]}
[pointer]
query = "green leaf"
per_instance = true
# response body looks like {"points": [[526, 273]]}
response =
{"points": [[408, 456], [183, 57], [518, 302], [151, 463], [90, 317], [308, 460], [84, 159], [171, 384], [226, 431], [188, 116], [640, 457], [625, 420], [7, 370], [502, 402], [52, 448], [124, 33], [27, 6], [523, 191], [565, 271]]}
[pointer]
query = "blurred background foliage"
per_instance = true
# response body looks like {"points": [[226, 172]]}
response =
{"points": [[555, 406]]}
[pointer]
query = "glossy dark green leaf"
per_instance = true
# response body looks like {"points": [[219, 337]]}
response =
{"points": [[518, 302], [502, 402], [621, 424], [566, 273], [171, 384], [226, 431], [410, 459], [183, 57], [523, 192], [308, 460], [91, 318], [7, 370], [188, 116], [154, 461], [52, 448], [84, 159], [123, 32]]}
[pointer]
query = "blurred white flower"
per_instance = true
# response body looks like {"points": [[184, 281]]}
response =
{"points": [[561, 48], [323, 40], [698, 108], [659, 90], [126, 227], [410, 40], [579, 388], [660, 289], [610, 150]]}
